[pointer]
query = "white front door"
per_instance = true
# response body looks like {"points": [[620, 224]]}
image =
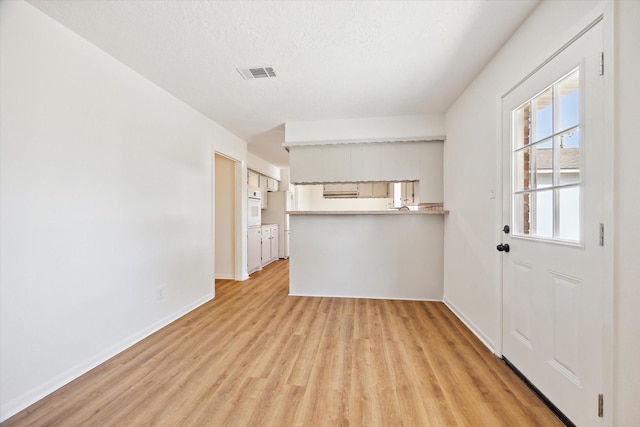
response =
{"points": [[552, 203]]}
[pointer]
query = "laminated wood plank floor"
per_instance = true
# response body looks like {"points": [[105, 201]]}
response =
{"points": [[255, 356]]}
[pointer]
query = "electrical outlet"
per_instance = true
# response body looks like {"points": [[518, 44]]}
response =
{"points": [[160, 293]]}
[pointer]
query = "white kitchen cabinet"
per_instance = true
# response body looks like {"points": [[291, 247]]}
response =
{"points": [[365, 190], [380, 190], [373, 190], [270, 244], [266, 245], [263, 190], [262, 183], [409, 193], [254, 249], [266, 184], [271, 184], [343, 190], [253, 178], [393, 162], [275, 242]]}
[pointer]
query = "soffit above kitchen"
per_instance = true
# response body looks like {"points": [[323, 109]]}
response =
{"points": [[331, 60]]}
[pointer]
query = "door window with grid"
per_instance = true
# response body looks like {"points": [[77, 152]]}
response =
{"points": [[547, 163]]}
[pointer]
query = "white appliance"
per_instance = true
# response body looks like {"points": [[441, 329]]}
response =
{"points": [[278, 203], [254, 216], [254, 232]]}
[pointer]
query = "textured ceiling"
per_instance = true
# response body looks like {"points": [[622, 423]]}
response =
{"points": [[334, 59]]}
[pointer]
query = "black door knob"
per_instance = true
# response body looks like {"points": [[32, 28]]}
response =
{"points": [[502, 247], [506, 229]]}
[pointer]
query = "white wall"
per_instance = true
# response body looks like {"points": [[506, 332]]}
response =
{"points": [[311, 199], [470, 153], [371, 129], [627, 214], [225, 217], [267, 169], [106, 189], [390, 256], [471, 263]]}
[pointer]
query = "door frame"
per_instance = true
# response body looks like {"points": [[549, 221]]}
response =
{"points": [[604, 13], [240, 208]]}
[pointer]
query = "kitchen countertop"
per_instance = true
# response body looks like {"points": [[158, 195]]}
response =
{"points": [[382, 212]]}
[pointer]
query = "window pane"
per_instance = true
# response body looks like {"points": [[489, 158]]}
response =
{"points": [[522, 119], [543, 112], [522, 218], [523, 169], [569, 213], [543, 164], [547, 163], [569, 146], [569, 102], [544, 213]]}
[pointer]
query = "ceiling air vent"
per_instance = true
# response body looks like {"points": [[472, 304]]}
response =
{"points": [[257, 73]]}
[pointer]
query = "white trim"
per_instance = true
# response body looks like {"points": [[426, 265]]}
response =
{"points": [[12, 407], [363, 297], [471, 326], [555, 54], [499, 224], [240, 219], [608, 307], [225, 277], [240, 269]]}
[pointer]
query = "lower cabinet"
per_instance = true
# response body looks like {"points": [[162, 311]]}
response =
{"points": [[270, 244], [266, 246], [254, 249], [275, 240]]}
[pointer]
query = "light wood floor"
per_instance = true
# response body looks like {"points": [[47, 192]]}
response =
{"points": [[256, 357]]}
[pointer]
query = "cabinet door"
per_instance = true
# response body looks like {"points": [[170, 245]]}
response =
{"points": [[263, 189], [253, 178], [332, 187], [380, 190], [254, 248], [407, 193], [266, 245], [404, 193], [350, 187], [275, 242], [365, 189]]}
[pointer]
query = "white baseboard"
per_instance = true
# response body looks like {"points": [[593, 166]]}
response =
{"points": [[488, 342], [365, 297], [12, 407], [225, 276]]}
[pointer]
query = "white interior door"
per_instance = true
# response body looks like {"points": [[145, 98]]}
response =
{"points": [[552, 202]]}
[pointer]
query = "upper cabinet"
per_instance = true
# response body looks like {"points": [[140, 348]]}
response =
{"points": [[264, 183], [253, 178], [256, 179], [272, 184], [370, 162], [373, 190]]}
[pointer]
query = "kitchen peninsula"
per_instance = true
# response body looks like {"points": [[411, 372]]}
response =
{"points": [[390, 254], [340, 248]]}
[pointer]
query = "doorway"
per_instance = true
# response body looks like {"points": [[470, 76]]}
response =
{"points": [[225, 217], [553, 259]]}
